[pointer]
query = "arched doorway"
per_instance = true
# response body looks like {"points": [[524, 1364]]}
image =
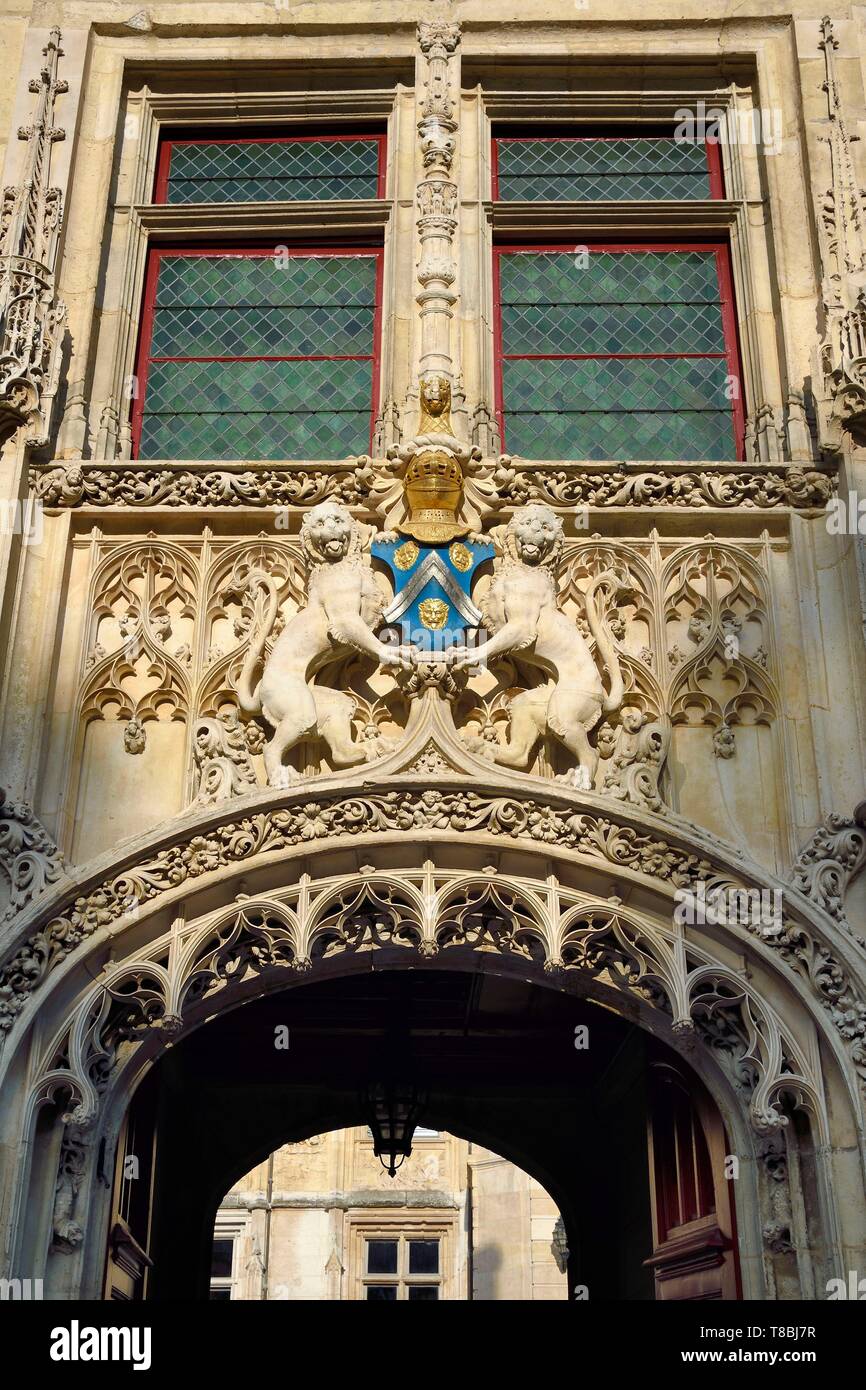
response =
{"points": [[228, 912], [567, 1090]]}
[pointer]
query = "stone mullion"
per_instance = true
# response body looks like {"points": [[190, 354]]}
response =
{"points": [[476, 261], [436, 194]]}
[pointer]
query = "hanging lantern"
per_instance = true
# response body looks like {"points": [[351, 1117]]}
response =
{"points": [[393, 1109]]}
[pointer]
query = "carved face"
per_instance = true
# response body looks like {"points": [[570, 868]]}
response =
{"points": [[537, 534], [435, 395], [631, 719], [327, 532]]}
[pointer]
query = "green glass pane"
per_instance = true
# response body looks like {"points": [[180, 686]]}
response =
{"points": [[598, 277], [239, 306], [257, 410], [610, 302], [588, 170], [631, 409], [273, 171], [649, 437]]}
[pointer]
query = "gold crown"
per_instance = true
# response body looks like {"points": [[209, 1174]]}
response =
{"points": [[434, 490]]}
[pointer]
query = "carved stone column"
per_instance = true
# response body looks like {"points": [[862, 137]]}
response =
{"points": [[436, 196]]}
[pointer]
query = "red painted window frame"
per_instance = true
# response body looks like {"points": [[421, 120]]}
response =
{"points": [[731, 354], [166, 145], [711, 148], [144, 356]]}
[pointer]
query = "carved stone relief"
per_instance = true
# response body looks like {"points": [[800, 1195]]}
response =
{"points": [[431, 912], [504, 481], [524, 620], [344, 606], [29, 859], [678, 634], [831, 860]]}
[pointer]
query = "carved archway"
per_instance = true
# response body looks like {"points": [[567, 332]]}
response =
{"points": [[554, 888]]}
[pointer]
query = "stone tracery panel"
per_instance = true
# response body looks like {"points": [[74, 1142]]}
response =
{"points": [[425, 911]]}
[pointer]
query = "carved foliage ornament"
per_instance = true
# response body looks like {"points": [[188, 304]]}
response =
{"points": [[29, 858], [510, 483], [456, 812], [831, 860], [76, 485]]}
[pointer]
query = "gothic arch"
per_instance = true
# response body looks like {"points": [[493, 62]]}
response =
{"points": [[229, 905]]}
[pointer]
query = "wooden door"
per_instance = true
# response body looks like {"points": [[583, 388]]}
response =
{"points": [[128, 1261], [694, 1219]]}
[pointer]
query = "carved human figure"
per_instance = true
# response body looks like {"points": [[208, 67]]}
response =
{"points": [[344, 605], [521, 612]]}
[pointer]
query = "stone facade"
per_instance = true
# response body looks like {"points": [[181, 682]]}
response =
{"points": [[171, 847], [300, 1221]]}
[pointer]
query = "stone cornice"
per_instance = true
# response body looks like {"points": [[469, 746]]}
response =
{"points": [[249, 106], [326, 220]]}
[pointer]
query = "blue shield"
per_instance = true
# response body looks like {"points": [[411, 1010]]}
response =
{"points": [[432, 606]]}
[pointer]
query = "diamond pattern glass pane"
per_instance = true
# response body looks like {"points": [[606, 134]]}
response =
{"points": [[632, 408], [606, 302], [254, 357], [591, 365], [244, 306], [592, 169], [267, 171], [257, 410]]}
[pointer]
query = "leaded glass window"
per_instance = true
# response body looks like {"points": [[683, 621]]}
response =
{"points": [[604, 168], [287, 169], [618, 352], [258, 355]]}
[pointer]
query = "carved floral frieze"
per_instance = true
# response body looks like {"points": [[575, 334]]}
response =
{"points": [[511, 482]]}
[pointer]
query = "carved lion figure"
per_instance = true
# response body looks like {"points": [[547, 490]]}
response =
{"points": [[344, 605], [522, 614]]}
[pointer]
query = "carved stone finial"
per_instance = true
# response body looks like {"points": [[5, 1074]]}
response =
{"points": [[843, 253], [31, 320]]}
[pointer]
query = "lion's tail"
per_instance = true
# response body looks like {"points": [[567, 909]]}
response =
{"points": [[613, 699], [249, 686]]}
